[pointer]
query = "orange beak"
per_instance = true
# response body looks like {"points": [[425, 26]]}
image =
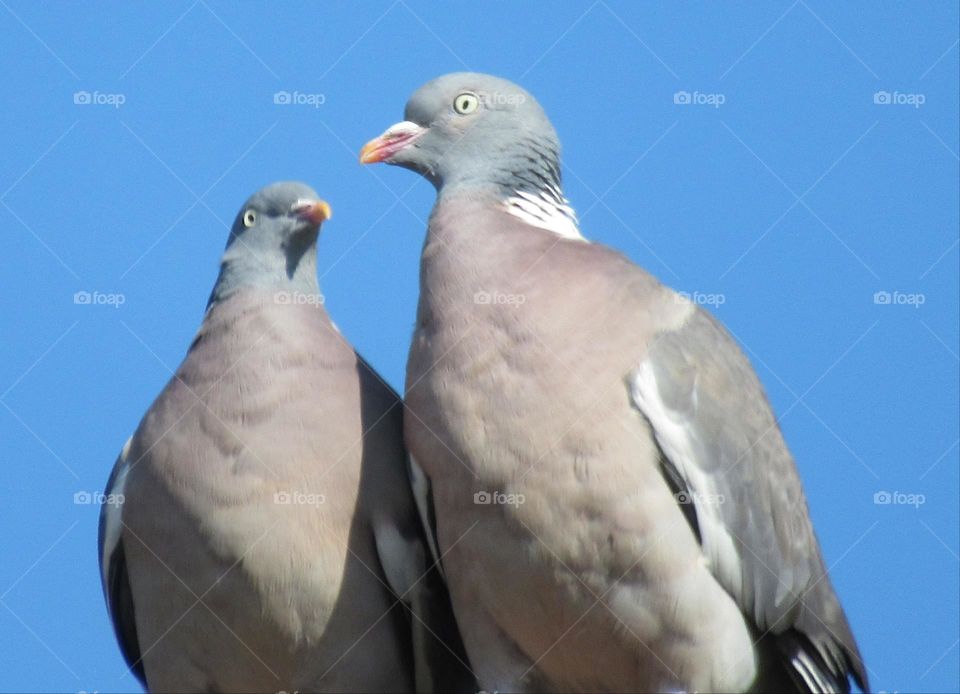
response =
{"points": [[314, 211], [396, 137]]}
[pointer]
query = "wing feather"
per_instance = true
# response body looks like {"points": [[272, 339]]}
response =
{"points": [[113, 567], [717, 433]]}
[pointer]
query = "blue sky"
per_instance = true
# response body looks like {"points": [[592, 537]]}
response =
{"points": [[793, 165]]}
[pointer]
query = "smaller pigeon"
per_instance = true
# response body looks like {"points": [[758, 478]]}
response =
{"points": [[266, 537], [616, 505]]}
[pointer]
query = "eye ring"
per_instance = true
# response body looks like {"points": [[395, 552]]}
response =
{"points": [[466, 103], [249, 218]]}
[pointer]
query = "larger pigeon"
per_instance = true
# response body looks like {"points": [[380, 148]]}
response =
{"points": [[263, 535], [615, 504]]}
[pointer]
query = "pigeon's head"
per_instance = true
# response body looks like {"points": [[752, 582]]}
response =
{"points": [[273, 241], [467, 128], [279, 217], [484, 136]]}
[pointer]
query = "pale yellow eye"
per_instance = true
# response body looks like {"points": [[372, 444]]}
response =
{"points": [[249, 218], [466, 103]]}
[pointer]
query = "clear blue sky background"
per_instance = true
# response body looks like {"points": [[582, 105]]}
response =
{"points": [[796, 200]]}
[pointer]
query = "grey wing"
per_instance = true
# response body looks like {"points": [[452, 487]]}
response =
{"points": [[407, 551], [725, 457], [113, 567]]}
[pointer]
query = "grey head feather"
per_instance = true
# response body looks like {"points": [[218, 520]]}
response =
{"points": [[273, 242], [504, 146]]}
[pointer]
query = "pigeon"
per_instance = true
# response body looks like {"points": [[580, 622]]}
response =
{"points": [[613, 499], [262, 534]]}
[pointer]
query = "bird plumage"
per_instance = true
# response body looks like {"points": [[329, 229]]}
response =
{"points": [[268, 539], [653, 533]]}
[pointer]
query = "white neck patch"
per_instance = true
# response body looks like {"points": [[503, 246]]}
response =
{"points": [[548, 211]]}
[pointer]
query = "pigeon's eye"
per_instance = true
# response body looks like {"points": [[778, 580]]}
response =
{"points": [[465, 103], [249, 218]]}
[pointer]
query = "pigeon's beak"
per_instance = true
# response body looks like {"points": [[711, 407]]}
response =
{"points": [[396, 137], [314, 211]]}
